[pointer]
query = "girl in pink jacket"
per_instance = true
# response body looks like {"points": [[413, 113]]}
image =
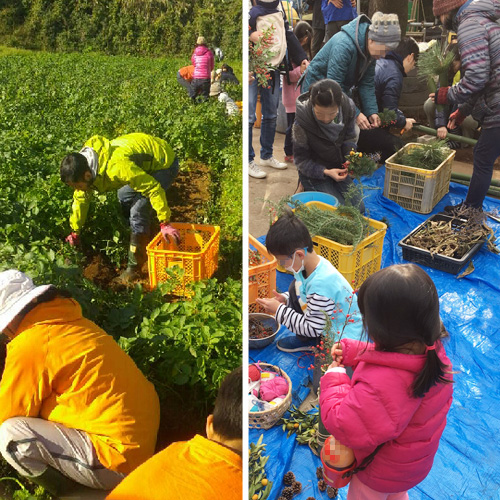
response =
{"points": [[203, 62], [400, 392]]}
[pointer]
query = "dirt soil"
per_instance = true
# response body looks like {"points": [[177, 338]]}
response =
{"points": [[466, 155]]}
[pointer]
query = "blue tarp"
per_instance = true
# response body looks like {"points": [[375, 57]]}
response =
{"points": [[467, 464]]}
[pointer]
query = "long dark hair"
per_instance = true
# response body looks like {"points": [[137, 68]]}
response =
{"points": [[400, 306], [302, 29]]}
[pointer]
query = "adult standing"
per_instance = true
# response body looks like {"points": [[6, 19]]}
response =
{"points": [[203, 61], [478, 91], [74, 407], [318, 26], [263, 15], [349, 58], [337, 13]]}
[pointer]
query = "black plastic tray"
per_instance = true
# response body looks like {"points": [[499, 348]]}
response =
{"points": [[436, 261]]}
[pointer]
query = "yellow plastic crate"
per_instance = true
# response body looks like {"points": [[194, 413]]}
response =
{"points": [[416, 189], [197, 254], [354, 263], [261, 278]]}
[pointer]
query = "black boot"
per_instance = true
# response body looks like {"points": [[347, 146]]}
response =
{"points": [[136, 257]]}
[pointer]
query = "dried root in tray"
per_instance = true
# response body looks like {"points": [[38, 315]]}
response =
{"points": [[441, 237]]}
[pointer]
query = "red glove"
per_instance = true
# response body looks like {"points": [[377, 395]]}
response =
{"points": [[73, 239], [442, 95], [170, 232], [458, 117]]}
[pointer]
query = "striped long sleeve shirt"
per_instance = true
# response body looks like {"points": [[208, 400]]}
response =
{"points": [[478, 34], [324, 293]]}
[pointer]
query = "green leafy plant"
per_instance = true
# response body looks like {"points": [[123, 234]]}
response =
{"points": [[433, 66], [427, 156], [360, 164], [303, 424], [259, 487], [388, 117]]}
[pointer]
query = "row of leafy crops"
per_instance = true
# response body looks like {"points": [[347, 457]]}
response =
{"points": [[50, 104]]}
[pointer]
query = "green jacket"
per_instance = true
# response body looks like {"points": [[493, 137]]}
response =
{"points": [[126, 160]]}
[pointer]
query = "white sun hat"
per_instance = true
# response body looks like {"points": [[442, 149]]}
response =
{"points": [[16, 291]]}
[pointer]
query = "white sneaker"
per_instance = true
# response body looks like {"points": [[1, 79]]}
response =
{"points": [[274, 163], [255, 171]]}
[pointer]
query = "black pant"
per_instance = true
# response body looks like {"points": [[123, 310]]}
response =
{"points": [[200, 86], [379, 140], [486, 151], [290, 118]]}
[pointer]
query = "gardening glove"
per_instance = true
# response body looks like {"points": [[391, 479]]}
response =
{"points": [[441, 96], [73, 239], [457, 117], [170, 232]]}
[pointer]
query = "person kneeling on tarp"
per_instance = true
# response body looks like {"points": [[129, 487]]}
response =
{"points": [[202, 467], [74, 408]]}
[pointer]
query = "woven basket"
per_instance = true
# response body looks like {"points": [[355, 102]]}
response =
{"points": [[267, 418]]}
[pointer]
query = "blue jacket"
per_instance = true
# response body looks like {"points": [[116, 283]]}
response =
{"points": [[345, 59], [331, 13], [389, 73], [478, 35]]}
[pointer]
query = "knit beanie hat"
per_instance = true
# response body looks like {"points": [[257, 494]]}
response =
{"points": [[444, 6], [201, 41], [385, 29]]}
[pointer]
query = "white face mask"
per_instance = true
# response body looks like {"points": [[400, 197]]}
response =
{"points": [[291, 269]]}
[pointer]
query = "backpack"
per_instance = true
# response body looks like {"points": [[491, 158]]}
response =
{"points": [[276, 19]]}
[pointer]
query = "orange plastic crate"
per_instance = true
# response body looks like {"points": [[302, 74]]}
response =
{"points": [[354, 263], [197, 254], [261, 278]]}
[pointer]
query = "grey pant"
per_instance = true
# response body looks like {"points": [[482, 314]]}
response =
{"points": [[30, 445], [333, 27]]}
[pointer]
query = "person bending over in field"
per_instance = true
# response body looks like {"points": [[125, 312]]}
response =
{"points": [[74, 408], [141, 167], [201, 468]]}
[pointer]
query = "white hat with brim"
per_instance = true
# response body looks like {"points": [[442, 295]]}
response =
{"points": [[16, 291]]}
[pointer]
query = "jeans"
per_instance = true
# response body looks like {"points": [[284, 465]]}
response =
{"points": [[329, 186], [269, 100], [486, 151], [184, 83], [290, 118], [136, 207]]}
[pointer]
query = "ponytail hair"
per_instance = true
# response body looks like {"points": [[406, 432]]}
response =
{"points": [[325, 93], [400, 306], [433, 372]]}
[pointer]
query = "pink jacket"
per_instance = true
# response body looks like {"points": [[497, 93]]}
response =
{"points": [[376, 407], [203, 61], [289, 94]]}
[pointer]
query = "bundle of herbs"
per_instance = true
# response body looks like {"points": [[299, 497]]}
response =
{"points": [[426, 156], [454, 240], [433, 66], [360, 165], [345, 225], [387, 117]]}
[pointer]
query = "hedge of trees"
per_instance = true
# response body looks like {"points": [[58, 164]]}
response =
{"points": [[146, 27]]}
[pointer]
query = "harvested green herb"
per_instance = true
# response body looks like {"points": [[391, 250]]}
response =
{"points": [[426, 156], [258, 484]]}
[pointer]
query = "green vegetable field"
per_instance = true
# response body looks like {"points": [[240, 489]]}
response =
{"points": [[50, 104]]}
